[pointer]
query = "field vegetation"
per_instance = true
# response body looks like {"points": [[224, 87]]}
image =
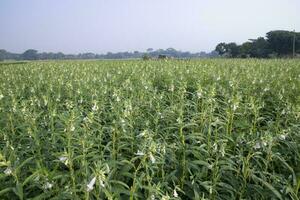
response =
{"points": [[158, 129]]}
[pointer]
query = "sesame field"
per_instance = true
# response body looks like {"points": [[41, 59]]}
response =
{"points": [[211, 129]]}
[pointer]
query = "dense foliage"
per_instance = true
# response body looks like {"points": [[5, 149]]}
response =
{"points": [[210, 129], [276, 44]]}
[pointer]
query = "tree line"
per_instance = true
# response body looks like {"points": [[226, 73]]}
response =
{"points": [[276, 44], [33, 54]]}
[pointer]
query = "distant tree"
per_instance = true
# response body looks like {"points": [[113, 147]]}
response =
{"points": [[2, 54], [171, 52], [202, 54], [5, 55], [230, 49], [233, 49], [171, 49], [298, 44], [160, 56], [30, 54], [212, 54], [281, 42], [109, 55], [245, 49], [146, 57], [221, 48], [277, 43], [150, 49], [88, 56], [60, 55], [260, 48]]}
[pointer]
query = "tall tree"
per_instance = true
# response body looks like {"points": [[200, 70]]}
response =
{"points": [[233, 49], [2, 54], [260, 48], [30, 54], [281, 42], [221, 48], [246, 49]]}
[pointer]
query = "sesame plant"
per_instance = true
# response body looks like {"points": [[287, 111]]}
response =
{"points": [[167, 129]]}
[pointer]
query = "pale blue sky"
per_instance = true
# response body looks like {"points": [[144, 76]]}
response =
{"points": [[99, 26]]}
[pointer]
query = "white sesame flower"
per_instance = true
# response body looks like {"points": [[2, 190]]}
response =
{"points": [[179, 120], [123, 121], [139, 153], [260, 145], [95, 107], [45, 100], [8, 171], [90, 185], [86, 119], [107, 170], [160, 115], [175, 194], [215, 147], [47, 186], [1, 96], [222, 151], [101, 183], [152, 158], [165, 197], [235, 106], [257, 145], [199, 94], [72, 129], [281, 190], [171, 89], [163, 149], [64, 159], [264, 143], [282, 137], [142, 134]]}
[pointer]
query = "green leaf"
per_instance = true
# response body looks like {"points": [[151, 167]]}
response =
{"points": [[268, 185]]}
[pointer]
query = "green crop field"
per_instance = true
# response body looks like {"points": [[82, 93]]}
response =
{"points": [[160, 129]]}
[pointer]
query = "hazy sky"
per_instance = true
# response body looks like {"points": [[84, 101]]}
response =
{"points": [[99, 26]]}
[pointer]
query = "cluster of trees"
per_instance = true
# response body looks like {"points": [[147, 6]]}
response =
{"points": [[276, 44], [173, 53], [32, 54]]}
